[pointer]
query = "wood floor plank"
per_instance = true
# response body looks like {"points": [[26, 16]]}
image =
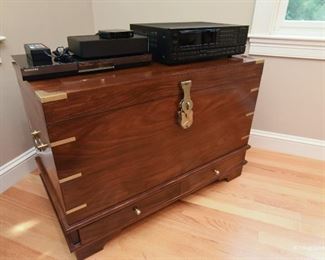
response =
{"points": [[231, 226], [12, 250], [290, 222], [288, 175], [314, 251], [287, 162], [286, 188], [247, 190], [275, 210], [32, 185]]}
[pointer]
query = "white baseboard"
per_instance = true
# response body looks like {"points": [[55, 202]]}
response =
{"points": [[14, 170], [290, 144]]}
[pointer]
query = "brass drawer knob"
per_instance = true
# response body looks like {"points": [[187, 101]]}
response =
{"points": [[137, 211], [216, 172]]}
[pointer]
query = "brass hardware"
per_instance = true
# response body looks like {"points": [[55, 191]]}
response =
{"points": [[63, 141], [185, 113], [216, 172], [35, 133], [39, 145], [248, 59], [70, 178], [137, 211], [46, 97], [42, 147], [245, 137], [254, 89], [250, 114], [75, 209]]}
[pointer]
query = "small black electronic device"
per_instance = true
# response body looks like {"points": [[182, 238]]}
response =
{"points": [[76, 66], [115, 34], [94, 47], [38, 53], [173, 43]]}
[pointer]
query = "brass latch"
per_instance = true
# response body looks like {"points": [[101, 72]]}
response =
{"points": [[185, 113], [39, 145]]}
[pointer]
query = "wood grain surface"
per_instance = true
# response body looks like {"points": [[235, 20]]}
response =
{"points": [[145, 141], [36, 120], [90, 94], [275, 210]]}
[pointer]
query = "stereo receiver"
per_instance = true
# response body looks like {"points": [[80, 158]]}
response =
{"points": [[173, 43]]}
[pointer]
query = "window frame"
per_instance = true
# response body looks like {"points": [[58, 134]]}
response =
{"points": [[272, 35]]}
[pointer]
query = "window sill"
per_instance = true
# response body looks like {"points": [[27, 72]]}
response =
{"points": [[287, 46]]}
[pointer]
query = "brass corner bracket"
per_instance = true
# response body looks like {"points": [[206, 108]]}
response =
{"points": [[45, 96], [70, 178], [259, 61], [76, 209], [63, 141], [248, 59]]}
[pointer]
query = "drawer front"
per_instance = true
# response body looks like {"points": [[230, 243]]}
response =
{"points": [[109, 152], [217, 170], [154, 200], [129, 215]]}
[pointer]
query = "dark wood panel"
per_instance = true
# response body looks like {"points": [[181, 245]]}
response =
{"points": [[219, 169], [214, 109], [112, 90], [128, 215], [37, 122], [145, 140], [231, 164]]}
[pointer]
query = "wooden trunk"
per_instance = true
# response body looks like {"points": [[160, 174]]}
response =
{"points": [[113, 149]]}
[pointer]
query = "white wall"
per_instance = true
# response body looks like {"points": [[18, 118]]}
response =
{"points": [[119, 14], [46, 21], [292, 98]]}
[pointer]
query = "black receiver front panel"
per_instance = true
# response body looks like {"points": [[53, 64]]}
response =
{"points": [[173, 43]]}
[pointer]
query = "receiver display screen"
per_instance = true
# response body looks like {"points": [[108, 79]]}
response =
{"points": [[196, 37]]}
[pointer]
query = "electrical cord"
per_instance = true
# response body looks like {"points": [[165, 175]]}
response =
{"points": [[62, 54]]}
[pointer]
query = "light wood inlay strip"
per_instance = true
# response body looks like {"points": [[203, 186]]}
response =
{"points": [[76, 209], [63, 141], [46, 97], [259, 61], [254, 89], [245, 137], [250, 114], [70, 178]]}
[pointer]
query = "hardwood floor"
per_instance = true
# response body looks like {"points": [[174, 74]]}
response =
{"points": [[275, 210]]}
